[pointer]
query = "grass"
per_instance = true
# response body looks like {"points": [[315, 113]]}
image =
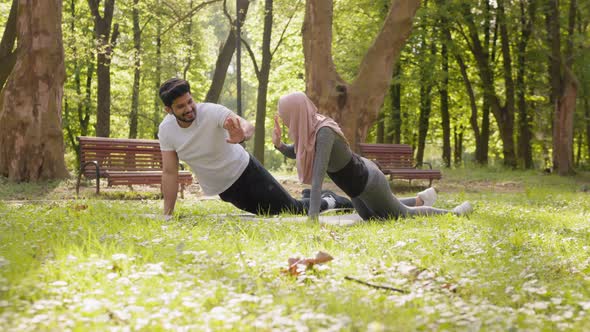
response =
{"points": [[520, 262]]}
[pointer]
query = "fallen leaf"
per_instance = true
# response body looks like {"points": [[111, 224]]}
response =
{"points": [[299, 265], [80, 207]]}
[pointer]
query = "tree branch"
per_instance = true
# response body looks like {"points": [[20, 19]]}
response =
{"points": [[252, 57], [93, 4], [285, 29], [190, 13], [377, 65], [375, 285]]}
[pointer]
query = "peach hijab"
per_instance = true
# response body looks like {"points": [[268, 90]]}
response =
{"points": [[303, 120]]}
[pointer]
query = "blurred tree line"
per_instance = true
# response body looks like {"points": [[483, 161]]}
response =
{"points": [[478, 81]]}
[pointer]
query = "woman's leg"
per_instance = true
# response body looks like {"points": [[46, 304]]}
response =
{"points": [[377, 197], [362, 209]]}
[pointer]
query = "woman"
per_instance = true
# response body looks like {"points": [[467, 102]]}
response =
{"points": [[320, 147]]}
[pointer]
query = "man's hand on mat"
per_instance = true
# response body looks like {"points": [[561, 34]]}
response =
{"points": [[235, 131], [276, 133]]}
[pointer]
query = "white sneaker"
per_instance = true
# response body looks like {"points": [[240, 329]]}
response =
{"points": [[330, 200], [428, 196], [463, 209]]}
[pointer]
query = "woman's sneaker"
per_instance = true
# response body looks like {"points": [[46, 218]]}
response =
{"points": [[464, 209], [428, 196]]}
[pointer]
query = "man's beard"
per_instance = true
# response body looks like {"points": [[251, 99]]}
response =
{"points": [[183, 119]]}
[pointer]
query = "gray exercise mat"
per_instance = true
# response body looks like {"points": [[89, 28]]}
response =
{"points": [[348, 219]]}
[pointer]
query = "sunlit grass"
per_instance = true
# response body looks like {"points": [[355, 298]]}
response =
{"points": [[520, 261]]}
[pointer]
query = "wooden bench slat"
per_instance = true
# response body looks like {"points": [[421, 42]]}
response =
{"points": [[124, 161], [397, 161]]}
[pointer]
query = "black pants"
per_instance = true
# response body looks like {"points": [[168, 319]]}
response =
{"points": [[258, 192]]}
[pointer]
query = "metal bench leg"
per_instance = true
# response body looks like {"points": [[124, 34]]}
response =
{"points": [[97, 176], [182, 191], [78, 184]]}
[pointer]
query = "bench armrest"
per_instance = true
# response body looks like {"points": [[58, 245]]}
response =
{"points": [[96, 167]]}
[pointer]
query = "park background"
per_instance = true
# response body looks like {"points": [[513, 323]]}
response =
{"points": [[477, 83], [494, 93]]}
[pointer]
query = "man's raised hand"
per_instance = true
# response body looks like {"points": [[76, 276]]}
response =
{"points": [[235, 131]]}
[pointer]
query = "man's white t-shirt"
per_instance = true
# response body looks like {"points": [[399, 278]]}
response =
{"points": [[216, 163]]}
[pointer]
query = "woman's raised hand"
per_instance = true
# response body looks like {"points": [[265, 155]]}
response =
{"points": [[276, 133]]}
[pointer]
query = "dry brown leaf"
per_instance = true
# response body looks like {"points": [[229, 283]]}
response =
{"points": [[80, 207], [299, 265]]}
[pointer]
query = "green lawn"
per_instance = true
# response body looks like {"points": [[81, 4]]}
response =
{"points": [[521, 261]]}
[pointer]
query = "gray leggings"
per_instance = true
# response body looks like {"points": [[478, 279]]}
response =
{"points": [[377, 202]]}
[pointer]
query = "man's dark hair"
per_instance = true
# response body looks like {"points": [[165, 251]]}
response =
{"points": [[172, 89]]}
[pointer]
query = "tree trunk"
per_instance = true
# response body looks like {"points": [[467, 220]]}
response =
{"points": [[458, 151], [136, 72], [444, 104], [189, 41], [564, 88], [105, 45], [525, 153], [504, 114], [157, 81], [425, 109], [225, 56], [563, 133], [394, 134], [425, 93], [381, 127], [579, 149], [82, 116], [587, 112], [262, 76], [7, 51], [31, 144], [354, 106]]}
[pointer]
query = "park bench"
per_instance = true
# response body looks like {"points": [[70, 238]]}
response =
{"points": [[397, 161], [124, 162]]}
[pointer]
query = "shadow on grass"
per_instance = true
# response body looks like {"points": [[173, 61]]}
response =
{"points": [[10, 190], [66, 190]]}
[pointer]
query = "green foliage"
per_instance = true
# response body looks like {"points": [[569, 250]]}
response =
{"points": [[355, 26], [520, 262]]}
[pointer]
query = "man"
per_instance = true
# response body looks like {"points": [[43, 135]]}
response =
{"points": [[207, 137]]}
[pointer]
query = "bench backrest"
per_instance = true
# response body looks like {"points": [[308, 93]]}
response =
{"points": [[119, 154], [389, 156]]}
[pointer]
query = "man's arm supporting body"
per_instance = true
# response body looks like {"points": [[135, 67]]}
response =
{"points": [[169, 180]]}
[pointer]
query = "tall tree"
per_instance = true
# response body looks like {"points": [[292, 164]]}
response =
{"points": [[394, 133], [262, 72], [31, 144], [7, 51], [564, 87], [105, 43], [136, 71], [504, 114], [527, 18], [226, 53], [444, 96], [77, 123], [157, 113], [427, 52], [354, 105]]}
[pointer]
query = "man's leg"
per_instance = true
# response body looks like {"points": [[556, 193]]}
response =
{"points": [[258, 192]]}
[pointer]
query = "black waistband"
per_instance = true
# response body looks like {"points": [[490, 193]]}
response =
{"points": [[353, 177]]}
